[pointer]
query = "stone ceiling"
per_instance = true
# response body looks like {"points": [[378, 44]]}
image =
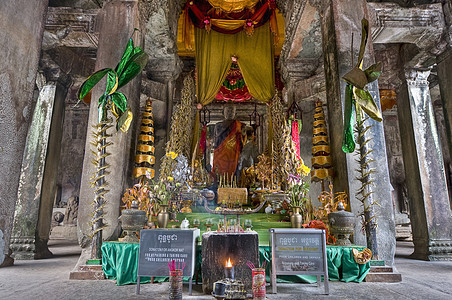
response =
{"points": [[72, 25]]}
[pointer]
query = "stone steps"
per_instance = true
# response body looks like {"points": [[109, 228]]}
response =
{"points": [[381, 269], [88, 272], [383, 274]]}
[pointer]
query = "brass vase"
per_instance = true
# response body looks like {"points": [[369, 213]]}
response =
{"points": [[296, 219], [163, 216]]}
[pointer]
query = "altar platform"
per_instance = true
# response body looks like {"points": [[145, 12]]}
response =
{"points": [[261, 222], [120, 262]]}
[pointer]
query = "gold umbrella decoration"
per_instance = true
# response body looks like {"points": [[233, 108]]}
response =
{"points": [[144, 158], [321, 159]]}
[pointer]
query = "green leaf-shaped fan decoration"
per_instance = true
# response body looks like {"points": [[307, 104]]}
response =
{"points": [[356, 97], [132, 62]]}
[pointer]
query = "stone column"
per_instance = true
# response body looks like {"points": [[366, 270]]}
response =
{"points": [[339, 19], [444, 67], [21, 30], [119, 18], [37, 183], [426, 181]]}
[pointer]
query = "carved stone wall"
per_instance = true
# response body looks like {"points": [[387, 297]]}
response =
{"points": [[72, 147], [72, 52]]}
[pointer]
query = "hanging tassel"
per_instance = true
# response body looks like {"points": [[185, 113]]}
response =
{"points": [[207, 24], [249, 27]]}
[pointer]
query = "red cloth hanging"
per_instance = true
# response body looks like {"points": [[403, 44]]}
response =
{"points": [[202, 140], [295, 128]]}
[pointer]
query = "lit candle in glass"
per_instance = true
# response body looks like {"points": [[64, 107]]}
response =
{"points": [[229, 269]]}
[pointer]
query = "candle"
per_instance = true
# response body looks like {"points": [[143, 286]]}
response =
{"points": [[229, 269]]}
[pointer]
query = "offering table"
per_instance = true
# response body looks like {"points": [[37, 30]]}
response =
{"points": [[218, 247]]}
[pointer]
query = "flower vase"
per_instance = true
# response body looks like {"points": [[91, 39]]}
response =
{"points": [[163, 216], [296, 219]]}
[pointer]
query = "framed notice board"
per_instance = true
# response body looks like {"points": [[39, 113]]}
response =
{"points": [[298, 252], [160, 246]]}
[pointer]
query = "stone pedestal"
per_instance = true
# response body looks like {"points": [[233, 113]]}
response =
{"points": [[423, 160], [88, 272], [339, 19], [217, 247], [383, 274]]}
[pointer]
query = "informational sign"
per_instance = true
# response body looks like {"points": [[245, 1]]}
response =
{"points": [[298, 252], [158, 247]]}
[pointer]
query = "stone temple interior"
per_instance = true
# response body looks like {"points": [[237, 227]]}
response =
{"points": [[52, 46]]}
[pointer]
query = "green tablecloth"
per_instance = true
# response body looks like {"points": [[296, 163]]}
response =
{"points": [[120, 262]]}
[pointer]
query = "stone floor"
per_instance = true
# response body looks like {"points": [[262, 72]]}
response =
{"points": [[48, 279]]}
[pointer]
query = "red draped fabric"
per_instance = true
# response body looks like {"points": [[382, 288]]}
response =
{"points": [[295, 128], [203, 139], [226, 155], [202, 15]]}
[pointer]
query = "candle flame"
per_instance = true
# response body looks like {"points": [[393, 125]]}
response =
{"points": [[229, 263]]}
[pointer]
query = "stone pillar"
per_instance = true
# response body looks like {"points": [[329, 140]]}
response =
{"points": [[119, 18], [444, 67], [21, 30], [37, 183], [426, 181], [339, 19]]}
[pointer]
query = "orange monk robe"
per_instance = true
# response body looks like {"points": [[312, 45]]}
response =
{"points": [[226, 155]]}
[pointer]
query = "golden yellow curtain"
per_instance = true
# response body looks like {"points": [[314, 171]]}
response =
{"points": [[213, 59], [255, 59], [256, 62]]}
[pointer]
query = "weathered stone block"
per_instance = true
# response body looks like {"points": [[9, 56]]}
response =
{"points": [[88, 272], [217, 247]]}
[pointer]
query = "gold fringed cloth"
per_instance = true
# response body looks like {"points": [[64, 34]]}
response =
{"points": [[233, 5]]}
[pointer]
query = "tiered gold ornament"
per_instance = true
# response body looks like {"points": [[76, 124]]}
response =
{"points": [[144, 158], [278, 135], [321, 159], [181, 127]]}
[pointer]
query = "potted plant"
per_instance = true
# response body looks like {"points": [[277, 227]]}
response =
{"points": [[161, 192], [166, 189]]}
